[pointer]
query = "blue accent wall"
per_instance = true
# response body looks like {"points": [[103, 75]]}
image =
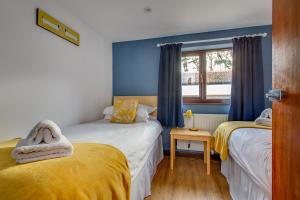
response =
{"points": [[136, 63]]}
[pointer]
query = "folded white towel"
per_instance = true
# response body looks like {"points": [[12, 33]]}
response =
{"points": [[24, 152], [43, 157], [45, 131], [265, 119]]}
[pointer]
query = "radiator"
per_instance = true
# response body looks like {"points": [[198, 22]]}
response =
{"points": [[202, 121], [209, 121]]}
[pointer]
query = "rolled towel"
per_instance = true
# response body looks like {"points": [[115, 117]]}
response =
{"points": [[45, 131], [39, 136], [265, 119], [24, 152], [267, 113], [51, 136]]}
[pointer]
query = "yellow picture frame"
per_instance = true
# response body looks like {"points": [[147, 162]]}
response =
{"points": [[53, 25]]}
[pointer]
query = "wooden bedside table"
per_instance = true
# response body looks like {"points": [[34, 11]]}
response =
{"points": [[186, 134]]}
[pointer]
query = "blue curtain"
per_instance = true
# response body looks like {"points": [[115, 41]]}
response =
{"points": [[247, 90], [169, 110]]}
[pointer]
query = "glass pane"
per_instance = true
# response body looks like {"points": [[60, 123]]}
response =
{"points": [[190, 75], [218, 74]]}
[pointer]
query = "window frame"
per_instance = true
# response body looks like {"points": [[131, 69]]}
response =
{"points": [[201, 99]]}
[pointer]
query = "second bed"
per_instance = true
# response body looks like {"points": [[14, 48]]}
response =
{"points": [[248, 168], [140, 142]]}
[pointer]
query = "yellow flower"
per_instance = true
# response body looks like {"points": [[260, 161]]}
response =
{"points": [[188, 113]]}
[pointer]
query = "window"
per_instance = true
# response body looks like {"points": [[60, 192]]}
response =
{"points": [[206, 76]]}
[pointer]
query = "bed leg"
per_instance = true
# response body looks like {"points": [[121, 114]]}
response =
{"points": [[208, 157], [205, 151], [172, 153]]}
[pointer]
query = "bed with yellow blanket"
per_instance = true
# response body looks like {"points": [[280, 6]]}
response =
{"points": [[94, 171], [246, 152], [224, 131]]}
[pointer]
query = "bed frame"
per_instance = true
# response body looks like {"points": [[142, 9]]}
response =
{"points": [[147, 100]]}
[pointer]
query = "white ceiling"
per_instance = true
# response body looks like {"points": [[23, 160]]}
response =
{"points": [[122, 20]]}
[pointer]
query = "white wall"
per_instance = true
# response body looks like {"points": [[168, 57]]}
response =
{"points": [[43, 76]]}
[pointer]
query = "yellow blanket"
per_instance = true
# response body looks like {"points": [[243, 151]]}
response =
{"points": [[94, 171], [223, 133]]}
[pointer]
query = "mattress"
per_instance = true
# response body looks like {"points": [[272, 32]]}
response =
{"points": [[134, 140], [251, 149]]}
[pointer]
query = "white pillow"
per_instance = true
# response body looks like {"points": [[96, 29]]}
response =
{"points": [[149, 109], [108, 110], [142, 115], [107, 116]]}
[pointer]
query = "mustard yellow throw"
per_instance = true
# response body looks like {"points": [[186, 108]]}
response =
{"points": [[224, 131], [94, 171]]}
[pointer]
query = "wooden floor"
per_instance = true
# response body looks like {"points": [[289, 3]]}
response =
{"points": [[188, 181]]}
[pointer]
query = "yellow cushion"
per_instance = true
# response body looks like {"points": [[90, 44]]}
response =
{"points": [[124, 111]]}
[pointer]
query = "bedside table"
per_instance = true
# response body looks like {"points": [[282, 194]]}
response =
{"points": [[186, 134]]}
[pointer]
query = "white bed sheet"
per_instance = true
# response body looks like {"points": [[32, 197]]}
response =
{"points": [[251, 149], [141, 184], [134, 140], [241, 186]]}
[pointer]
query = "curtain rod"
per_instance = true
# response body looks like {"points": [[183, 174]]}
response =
{"points": [[215, 39]]}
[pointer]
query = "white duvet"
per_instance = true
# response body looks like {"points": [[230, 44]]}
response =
{"points": [[252, 149], [133, 140]]}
